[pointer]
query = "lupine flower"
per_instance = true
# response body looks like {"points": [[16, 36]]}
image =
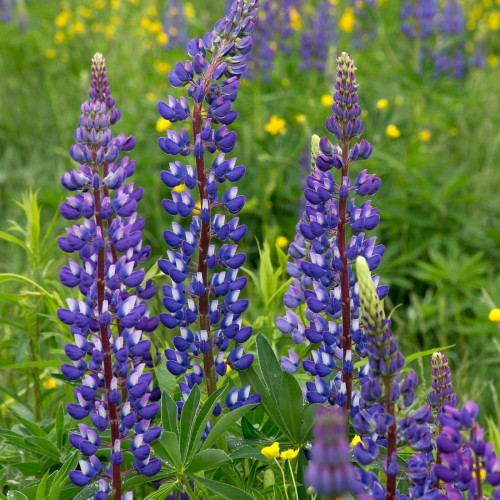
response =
{"points": [[203, 299], [110, 354], [330, 470], [419, 18], [6, 10], [467, 461], [319, 34], [323, 252], [385, 391], [451, 27], [442, 389], [272, 35], [174, 25]]}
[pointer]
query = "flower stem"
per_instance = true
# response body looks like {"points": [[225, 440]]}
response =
{"points": [[344, 279], [106, 346]]}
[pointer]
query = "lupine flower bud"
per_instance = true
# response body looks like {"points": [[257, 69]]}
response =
{"points": [[330, 471], [442, 389]]}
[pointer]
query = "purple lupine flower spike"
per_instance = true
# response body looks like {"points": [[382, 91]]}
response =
{"points": [[442, 389], [110, 354], [174, 25], [203, 297], [330, 236], [330, 470]]}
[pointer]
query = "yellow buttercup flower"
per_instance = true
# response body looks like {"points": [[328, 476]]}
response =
{"points": [[162, 38], [346, 22], [282, 241], [382, 103], [189, 11], [295, 19], [493, 20], [62, 18], [162, 67], [152, 11], [327, 100], [50, 53], [275, 125], [300, 118], [271, 452], [151, 96], [392, 131], [355, 440], [49, 383], [492, 60], [162, 124], [494, 315], [59, 37], [289, 454], [424, 135]]}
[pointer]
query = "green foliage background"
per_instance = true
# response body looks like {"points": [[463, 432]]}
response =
{"points": [[439, 200]]}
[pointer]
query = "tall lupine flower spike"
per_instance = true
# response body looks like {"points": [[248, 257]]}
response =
{"points": [[203, 299], [385, 392], [442, 388], [109, 355], [330, 235], [174, 25], [330, 470]]}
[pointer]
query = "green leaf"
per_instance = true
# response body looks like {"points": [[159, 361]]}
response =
{"points": [[207, 459], [42, 487], [135, 479], [167, 448], [421, 354], [13, 239], [30, 426], [224, 490], [61, 478], [30, 364], [59, 426], [291, 404], [187, 420], [29, 468], [169, 414], [201, 420], [16, 495], [246, 452], [269, 366], [163, 492], [46, 447], [89, 492], [307, 422], [223, 424]]}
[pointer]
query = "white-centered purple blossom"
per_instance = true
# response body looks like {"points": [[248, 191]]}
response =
{"points": [[110, 352], [203, 299]]}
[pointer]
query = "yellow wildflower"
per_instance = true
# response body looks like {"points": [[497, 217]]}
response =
{"points": [[275, 125], [346, 22], [162, 67], [282, 241], [162, 124], [424, 135], [382, 103], [62, 18], [99, 4], [295, 19], [189, 11], [85, 12], [145, 23], [155, 27], [59, 37], [493, 20], [179, 189], [152, 11], [109, 31], [50, 53], [392, 131], [49, 383], [327, 100], [115, 4], [272, 451], [162, 38], [300, 118], [76, 28], [289, 454], [492, 61], [355, 440], [151, 96], [494, 315], [285, 82]]}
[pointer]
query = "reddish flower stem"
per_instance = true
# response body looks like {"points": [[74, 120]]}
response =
{"points": [[344, 279], [106, 345]]}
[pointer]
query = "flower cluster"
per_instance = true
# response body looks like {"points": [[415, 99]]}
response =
{"points": [[330, 470], [174, 25], [316, 39], [385, 392], [110, 354], [272, 34], [442, 393], [203, 298], [466, 459], [323, 252]]}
